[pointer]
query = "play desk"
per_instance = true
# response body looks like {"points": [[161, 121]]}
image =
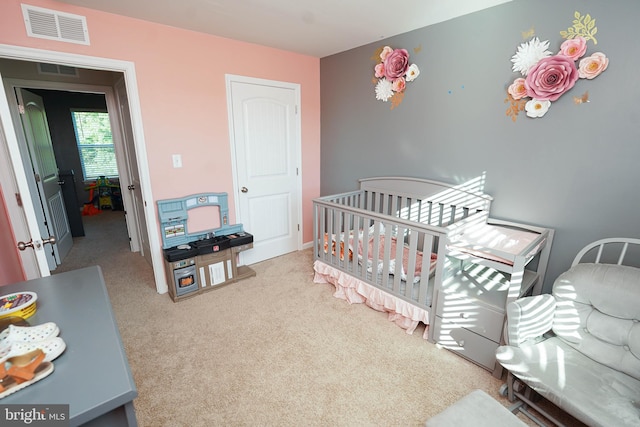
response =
{"points": [[92, 376]]}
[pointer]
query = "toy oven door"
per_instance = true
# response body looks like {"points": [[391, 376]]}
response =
{"points": [[185, 280]]}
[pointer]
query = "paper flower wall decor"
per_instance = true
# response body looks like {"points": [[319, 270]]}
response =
{"points": [[546, 77], [392, 72]]}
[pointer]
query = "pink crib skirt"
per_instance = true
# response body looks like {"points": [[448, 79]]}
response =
{"points": [[355, 291]]}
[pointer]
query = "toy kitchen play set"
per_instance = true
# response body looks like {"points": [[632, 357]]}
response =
{"points": [[198, 262]]}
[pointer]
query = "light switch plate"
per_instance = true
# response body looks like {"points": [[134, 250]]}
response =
{"points": [[177, 161]]}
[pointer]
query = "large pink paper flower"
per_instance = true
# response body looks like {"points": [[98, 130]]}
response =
{"points": [[574, 48], [396, 64], [592, 66], [551, 77]]}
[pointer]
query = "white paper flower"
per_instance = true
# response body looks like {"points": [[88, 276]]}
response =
{"points": [[412, 73], [384, 90], [529, 54], [536, 108]]}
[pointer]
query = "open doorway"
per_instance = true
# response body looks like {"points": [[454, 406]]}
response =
{"points": [[112, 85], [88, 175]]}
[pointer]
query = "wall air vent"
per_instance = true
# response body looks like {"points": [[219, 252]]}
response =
{"points": [[57, 70], [53, 25]]}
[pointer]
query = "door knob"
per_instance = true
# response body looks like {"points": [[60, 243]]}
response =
{"points": [[131, 187], [22, 245], [51, 239], [31, 244], [244, 189]]}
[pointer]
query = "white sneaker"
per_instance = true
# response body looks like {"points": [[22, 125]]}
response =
{"points": [[28, 334], [52, 348]]}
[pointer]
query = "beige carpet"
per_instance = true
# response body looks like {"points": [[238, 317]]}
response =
{"points": [[271, 350]]}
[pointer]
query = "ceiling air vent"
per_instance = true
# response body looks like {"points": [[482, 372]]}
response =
{"points": [[54, 25]]}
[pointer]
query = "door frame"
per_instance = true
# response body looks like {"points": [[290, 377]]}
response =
{"points": [[22, 217], [137, 225], [231, 78], [111, 103]]}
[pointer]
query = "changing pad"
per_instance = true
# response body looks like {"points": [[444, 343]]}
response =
{"points": [[494, 242]]}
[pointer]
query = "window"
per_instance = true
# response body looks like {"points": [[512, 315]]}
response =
{"points": [[95, 144]]}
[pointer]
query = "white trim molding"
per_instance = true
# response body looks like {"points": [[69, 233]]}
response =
{"points": [[105, 64]]}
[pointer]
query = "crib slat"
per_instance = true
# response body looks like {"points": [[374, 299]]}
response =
{"points": [[323, 230], [411, 264], [374, 252], [357, 245], [404, 208], [365, 247], [427, 249], [397, 277], [394, 206], [341, 247], [331, 234], [386, 256], [317, 230], [386, 209]]}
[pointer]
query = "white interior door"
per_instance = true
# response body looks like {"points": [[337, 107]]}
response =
{"points": [[136, 222], [45, 170], [265, 137]]}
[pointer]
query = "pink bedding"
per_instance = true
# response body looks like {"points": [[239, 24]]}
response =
{"points": [[405, 258], [379, 256]]}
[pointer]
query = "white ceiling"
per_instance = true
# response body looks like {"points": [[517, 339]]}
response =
{"points": [[312, 27]]}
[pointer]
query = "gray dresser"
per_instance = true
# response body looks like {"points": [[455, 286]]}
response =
{"points": [[471, 304], [92, 376]]}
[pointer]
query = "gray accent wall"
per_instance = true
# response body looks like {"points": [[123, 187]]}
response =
{"points": [[574, 170]]}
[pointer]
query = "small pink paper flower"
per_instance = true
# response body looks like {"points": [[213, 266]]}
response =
{"points": [[379, 70], [593, 66], [385, 52], [574, 48], [399, 84], [517, 89], [396, 64], [551, 77]]}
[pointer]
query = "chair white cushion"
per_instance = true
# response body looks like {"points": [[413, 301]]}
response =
{"points": [[586, 389], [530, 318], [598, 313]]}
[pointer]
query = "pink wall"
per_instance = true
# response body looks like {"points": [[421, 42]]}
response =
{"points": [[181, 82]]}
